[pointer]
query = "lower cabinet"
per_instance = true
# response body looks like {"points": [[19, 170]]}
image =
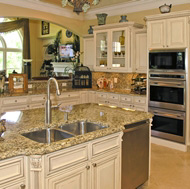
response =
{"points": [[72, 178], [106, 172], [91, 165], [19, 185]]}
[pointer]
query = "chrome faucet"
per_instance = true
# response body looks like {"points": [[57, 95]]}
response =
{"points": [[48, 101], [2, 128]]}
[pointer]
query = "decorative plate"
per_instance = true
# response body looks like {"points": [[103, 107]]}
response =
{"points": [[68, 33]]}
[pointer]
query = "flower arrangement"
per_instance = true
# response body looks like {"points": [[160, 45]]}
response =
{"points": [[75, 61]]}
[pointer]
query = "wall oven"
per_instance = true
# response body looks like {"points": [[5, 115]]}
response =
{"points": [[167, 60], [167, 91], [168, 124]]}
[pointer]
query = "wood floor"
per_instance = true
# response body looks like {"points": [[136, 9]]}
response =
{"points": [[170, 169]]}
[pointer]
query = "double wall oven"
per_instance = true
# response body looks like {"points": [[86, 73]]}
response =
{"points": [[167, 94]]}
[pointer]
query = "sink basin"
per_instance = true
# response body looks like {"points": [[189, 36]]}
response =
{"points": [[81, 127], [47, 135]]}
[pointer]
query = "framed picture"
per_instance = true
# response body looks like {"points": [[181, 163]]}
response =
{"points": [[45, 28], [18, 83]]}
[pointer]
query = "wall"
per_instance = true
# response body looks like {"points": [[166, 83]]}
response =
{"points": [[40, 42]]}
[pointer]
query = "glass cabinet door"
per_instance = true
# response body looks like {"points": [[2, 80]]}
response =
{"points": [[118, 49], [101, 50]]}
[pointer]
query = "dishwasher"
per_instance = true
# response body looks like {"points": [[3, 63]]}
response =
{"points": [[135, 155]]}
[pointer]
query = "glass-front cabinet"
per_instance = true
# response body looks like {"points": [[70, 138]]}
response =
{"points": [[119, 56], [102, 50], [112, 50]]}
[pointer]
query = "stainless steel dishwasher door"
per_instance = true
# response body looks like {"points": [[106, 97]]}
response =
{"points": [[135, 155]]}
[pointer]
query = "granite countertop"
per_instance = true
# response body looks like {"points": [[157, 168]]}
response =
{"points": [[42, 91], [30, 120]]}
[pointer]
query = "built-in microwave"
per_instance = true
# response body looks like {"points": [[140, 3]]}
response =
{"points": [[167, 60]]}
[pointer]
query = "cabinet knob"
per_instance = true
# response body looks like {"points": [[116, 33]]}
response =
{"points": [[94, 165], [167, 46], [15, 100], [87, 167], [22, 186]]}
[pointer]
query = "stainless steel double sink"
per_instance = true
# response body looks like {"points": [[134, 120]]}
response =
{"points": [[64, 131]]}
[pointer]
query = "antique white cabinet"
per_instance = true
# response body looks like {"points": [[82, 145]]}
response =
{"points": [[92, 165], [113, 47], [89, 54], [13, 173], [140, 51], [167, 31]]}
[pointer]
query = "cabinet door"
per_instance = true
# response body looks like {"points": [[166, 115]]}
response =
{"points": [[156, 34], [106, 172], [176, 32], [89, 55], [75, 179], [141, 52], [92, 97], [101, 50], [84, 97], [120, 54], [20, 185]]}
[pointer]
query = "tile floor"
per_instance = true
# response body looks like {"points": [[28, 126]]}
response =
{"points": [[170, 169]]}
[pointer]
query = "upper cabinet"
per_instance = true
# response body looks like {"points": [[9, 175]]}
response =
{"points": [[113, 47], [88, 41], [167, 31]]}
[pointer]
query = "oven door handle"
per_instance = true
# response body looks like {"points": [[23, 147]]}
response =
{"points": [[177, 116], [168, 84]]}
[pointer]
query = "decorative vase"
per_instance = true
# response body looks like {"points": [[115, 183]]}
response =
{"points": [[122, 38], [90, 30], [101, 18], [123, 18]]}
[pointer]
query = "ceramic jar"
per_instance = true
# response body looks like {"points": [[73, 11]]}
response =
{"points": [[101, 18], [90, 30], [123, 18]]}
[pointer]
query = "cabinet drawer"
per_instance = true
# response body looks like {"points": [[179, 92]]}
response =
{"points": [[105, 145], [38, 98], [126, 99], [140, 108], [11, 169], [37, 105], [140, 100], [69, 95], [15, 101], [113, 97], [102, 95], [58, 161], [15, 108]]}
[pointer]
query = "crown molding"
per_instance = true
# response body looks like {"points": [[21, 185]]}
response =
{"points": [[43, 7], [130, 7], [168, 15]]}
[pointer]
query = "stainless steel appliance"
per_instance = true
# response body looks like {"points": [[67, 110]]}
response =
{"points": [[167, 91], [168, 124], [135, 155], [167, 95], [167, 60]]}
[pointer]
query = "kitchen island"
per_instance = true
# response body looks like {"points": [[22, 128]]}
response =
{"points": [[38, 165]]}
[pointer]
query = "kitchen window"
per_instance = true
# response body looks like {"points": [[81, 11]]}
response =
{"points": [[11, 52]]}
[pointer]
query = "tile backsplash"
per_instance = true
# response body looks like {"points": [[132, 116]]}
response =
{"points": [[124, 80]]}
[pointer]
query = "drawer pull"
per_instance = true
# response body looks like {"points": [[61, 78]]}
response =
{"points": [[87, 167], [15, 100], [22, 186], [94, 165]]}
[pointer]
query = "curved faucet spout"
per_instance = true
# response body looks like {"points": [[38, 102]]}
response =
{"points": [[48, 101]]}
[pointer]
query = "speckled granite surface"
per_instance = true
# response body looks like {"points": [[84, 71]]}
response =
{"points": [[43, 91], [30, 120]]}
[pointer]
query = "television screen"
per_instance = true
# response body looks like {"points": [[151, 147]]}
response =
{"points": [[66, 51]]}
